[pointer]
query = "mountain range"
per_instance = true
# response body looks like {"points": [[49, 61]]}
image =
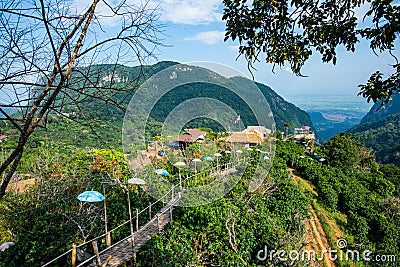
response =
{"points": [[378, 112], [123, 76], [96, 117], [380, 130]]}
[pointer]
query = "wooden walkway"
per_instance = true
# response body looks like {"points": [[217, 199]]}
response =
{"points": [[124, 250]]}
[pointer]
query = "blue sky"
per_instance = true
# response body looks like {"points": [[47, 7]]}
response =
{"points": [[194, 31]]}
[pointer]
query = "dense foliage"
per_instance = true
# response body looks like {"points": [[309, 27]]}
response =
{"points": [[344, 151], [232, 230], [45, 220], [291, 31], [383, 137], [369, 198]]}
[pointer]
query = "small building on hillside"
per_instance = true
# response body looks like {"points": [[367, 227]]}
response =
{"points": [[247, 139], [188, 137], [305, 132], [262, 131], [305, 136]]}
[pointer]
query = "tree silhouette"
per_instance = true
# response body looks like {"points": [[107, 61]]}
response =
{"points": [[291, 31], [43, 46]]}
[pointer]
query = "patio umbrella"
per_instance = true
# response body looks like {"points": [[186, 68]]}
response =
{"points": [[238, 152], [136, 180], [6, 245], [180, 164], [208, 158], [195, 160], [162, 172], [91, 196]]}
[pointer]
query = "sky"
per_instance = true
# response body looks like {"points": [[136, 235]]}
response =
{"points": [[195, 31]]}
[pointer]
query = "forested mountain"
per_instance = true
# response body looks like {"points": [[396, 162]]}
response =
{"points": [[131, 78], [383, 136], [95, 117], [376, 113], [379, 129]]}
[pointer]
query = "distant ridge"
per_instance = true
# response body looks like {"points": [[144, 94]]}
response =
{"points": [[380, 130], [383, 136], [284, 112], [376, 113]]}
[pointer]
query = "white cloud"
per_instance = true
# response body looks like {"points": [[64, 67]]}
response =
{"points": [[103, 12], [191, 12], [210, 37]]}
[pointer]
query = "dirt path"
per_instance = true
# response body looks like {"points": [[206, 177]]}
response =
{"points": [[315, 235], [319, 241]]}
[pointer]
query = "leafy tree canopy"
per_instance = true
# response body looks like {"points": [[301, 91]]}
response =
{"points": [[290, 31], [343, 150]]}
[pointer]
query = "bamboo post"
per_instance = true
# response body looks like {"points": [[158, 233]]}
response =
{"points": [[149, 211], [96, 252], [170, 212], [108, 239], [172, 195], [158, 223], [130, 213], [137, 220], [73, 255]]}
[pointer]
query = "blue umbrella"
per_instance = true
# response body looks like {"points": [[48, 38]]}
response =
{"points": [[91, 196], [266, 157], [162, 172], [208, 158]]}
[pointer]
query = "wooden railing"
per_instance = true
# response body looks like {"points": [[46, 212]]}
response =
{"points": [[107, 236]]}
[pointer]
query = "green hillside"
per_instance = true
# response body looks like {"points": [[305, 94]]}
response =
{"points": [[383, 136], [98, 122], [376, 113], [351, 198], [132, 77]]}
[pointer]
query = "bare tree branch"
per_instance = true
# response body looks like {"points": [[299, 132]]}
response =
{"points": [[43, 48]]}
